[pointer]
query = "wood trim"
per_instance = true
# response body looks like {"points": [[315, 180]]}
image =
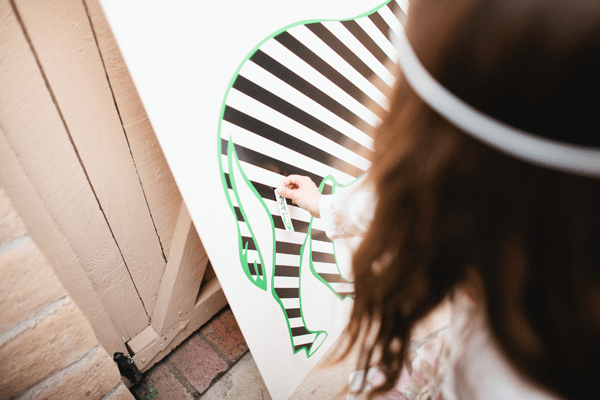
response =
{"points": [[142, 340], [181, 281], [147, 347], [210, 301], [65, 47], [209, 273], [161, 192], [48, 186]]}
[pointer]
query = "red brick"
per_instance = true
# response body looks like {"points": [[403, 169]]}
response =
{"points": [[198, 362], [162, 379], [224, 333]]}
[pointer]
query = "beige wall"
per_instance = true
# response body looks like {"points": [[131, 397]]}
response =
{"points": [[81, 163], [47, 348]]}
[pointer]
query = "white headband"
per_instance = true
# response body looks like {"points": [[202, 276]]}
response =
{"points": [[533, 149]]}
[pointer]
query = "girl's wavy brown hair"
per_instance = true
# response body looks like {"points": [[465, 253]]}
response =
{"points": [[450, 207]]}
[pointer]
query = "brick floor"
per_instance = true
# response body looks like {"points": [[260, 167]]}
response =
{"points": [[197, 363], [162, 380], [224, 333]]}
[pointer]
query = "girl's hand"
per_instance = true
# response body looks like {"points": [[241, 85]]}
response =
{"points": [[302, 191]]}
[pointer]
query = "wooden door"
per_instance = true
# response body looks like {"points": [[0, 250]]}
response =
{"points": [[81, 163]]}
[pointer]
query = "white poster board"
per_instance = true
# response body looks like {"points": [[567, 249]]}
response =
{"points": [[241, 93]]}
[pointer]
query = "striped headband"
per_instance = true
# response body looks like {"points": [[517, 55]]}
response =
{"points": [[522, 145]]}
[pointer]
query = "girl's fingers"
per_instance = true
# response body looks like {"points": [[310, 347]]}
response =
{"points": [[295, 187], [284, 184], [285, 192]]}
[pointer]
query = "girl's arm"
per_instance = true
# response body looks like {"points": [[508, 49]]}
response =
{"points": [[347, 213]]}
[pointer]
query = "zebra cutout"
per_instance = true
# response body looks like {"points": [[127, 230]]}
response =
{"points": [[305, 102]]}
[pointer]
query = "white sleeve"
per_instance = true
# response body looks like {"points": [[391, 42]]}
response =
{"points": [[349, 211]]}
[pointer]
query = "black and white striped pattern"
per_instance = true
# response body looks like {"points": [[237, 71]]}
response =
{"points": [[306, 102]]}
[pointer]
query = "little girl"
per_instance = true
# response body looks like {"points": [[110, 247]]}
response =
{"points": [[483, 189]]}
